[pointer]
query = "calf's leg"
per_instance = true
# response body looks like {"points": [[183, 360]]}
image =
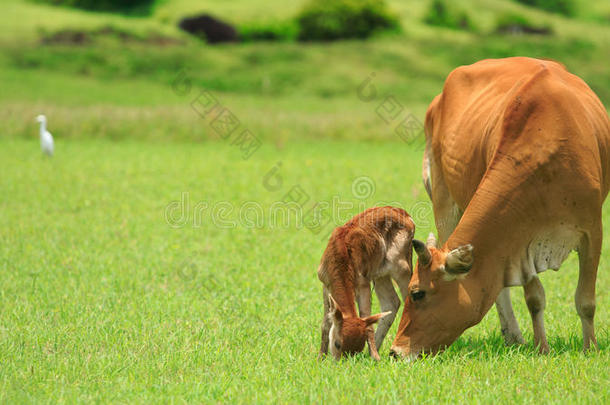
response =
{"points": [[402, 278], [326, 324], [388, 301], [363, 297]]}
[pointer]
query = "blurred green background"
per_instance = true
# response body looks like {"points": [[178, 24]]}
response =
{"points": [[122, 70]]}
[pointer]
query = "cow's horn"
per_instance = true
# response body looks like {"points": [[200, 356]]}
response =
{"points": [[431, 241], [422, 251], [460, 260]]}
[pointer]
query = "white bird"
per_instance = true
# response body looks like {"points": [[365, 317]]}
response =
{"points": [[46, 139]]}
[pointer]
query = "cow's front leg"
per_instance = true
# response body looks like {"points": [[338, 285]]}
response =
{"points": [[508, 322], [363, 296]]}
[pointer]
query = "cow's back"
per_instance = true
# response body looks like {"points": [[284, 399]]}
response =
{"points": [[519, 124]]}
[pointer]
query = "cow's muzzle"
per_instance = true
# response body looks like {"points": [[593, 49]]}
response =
{"points": [[399, 354]]}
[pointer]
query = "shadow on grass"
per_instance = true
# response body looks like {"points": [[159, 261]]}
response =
{"points": [[492, 346]]}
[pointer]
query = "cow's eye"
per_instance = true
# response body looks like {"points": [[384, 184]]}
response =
{"points": [[418, 295], [337, 345]]}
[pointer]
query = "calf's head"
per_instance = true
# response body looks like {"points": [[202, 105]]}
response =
{"points": [[438, 308], [348, 334]]}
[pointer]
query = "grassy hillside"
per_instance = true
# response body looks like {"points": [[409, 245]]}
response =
{"points": [[122, 88]]}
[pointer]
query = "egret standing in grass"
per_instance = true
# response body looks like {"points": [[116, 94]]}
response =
{"points": [[46, 139]]}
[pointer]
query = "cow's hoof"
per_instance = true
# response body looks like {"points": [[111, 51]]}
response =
{"points": [[591, 348]]}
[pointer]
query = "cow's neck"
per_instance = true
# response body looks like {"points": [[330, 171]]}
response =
{"points": [[491, 225]]}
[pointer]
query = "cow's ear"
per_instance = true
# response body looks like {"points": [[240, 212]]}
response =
{"points": [[335, 311], [459, 261]]}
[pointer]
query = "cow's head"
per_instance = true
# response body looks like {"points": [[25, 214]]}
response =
{"points": [[348, 334], [437, 309]]}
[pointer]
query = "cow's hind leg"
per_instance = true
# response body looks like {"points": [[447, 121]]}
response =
{"points": [[388, 301], [508, 322], [536, 302], [588, 257]]}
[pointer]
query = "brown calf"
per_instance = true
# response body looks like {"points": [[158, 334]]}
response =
{"points": [[375, 245]]}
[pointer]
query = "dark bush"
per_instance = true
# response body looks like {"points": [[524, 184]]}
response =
{"points": [[565, 7], [327, 20], [142, 6], [209, 28], [442, 15]]}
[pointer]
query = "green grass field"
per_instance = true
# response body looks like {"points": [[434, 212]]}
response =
{"points": [[148, 261], [104, 300]]}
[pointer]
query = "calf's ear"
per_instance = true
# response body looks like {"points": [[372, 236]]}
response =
{"points": [[369, 320], [335, 310], [459, 260]]}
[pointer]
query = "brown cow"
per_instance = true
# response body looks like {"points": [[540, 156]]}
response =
{"points": [[516, 165], [375, 245]]}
